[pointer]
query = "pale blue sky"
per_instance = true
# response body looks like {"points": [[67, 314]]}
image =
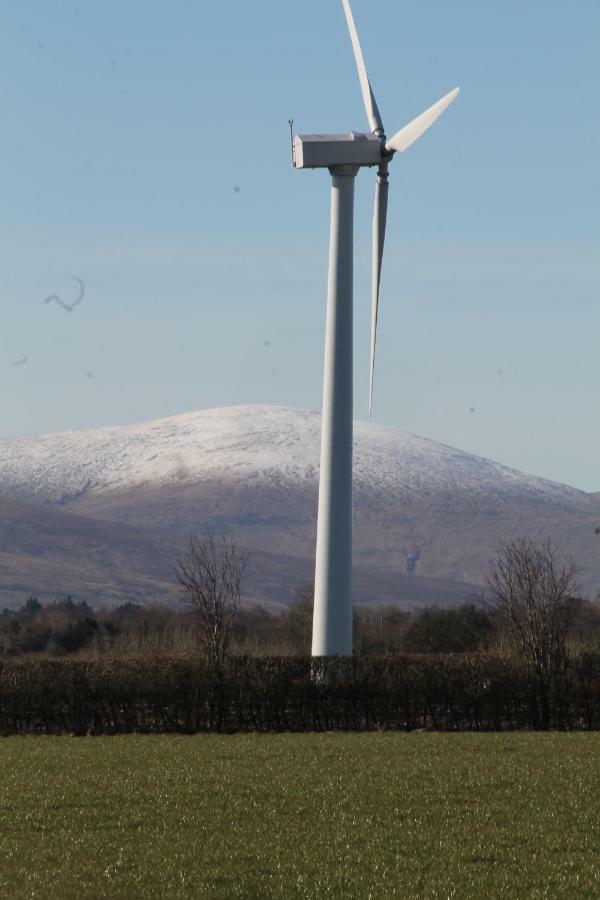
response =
{"points": [[126, 127]]}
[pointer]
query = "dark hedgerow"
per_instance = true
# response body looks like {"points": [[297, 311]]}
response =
{"points": [[466, 692]]}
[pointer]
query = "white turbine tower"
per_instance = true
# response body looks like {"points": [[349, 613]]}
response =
{"points": [[344, 155]]}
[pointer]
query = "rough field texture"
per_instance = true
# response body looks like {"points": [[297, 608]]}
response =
{"points": [[420, 815]]}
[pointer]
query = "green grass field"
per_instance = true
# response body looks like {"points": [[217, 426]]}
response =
{"points": [[346, 815]]}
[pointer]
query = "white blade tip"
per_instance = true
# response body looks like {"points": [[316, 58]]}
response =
{"points": [[403, 139]]}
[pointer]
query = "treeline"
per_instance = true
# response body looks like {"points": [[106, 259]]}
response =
{"points": [[443, 692], [71, 628], [68, 628], [530, 658]]}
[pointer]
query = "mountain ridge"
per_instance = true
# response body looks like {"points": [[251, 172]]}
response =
{"points": [[236, 433], [424, 512]]}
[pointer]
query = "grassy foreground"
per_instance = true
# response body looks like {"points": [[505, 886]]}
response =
{"points": [[348, 815]]}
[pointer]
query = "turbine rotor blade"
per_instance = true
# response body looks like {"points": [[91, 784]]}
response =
{"points": [[379, 222], [410, 133], [365, 85]]}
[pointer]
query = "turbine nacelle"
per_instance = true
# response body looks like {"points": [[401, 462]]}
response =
{"points": [[326, 151]]}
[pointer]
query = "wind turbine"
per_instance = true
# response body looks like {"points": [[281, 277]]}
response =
{"points": [[344, 155]]}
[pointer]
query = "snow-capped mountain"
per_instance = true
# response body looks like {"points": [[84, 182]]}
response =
{"points": [[422, 510], [275, 445]]}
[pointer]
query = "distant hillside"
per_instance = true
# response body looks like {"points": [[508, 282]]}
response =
{"points": [[428, 518], [52, 553]]}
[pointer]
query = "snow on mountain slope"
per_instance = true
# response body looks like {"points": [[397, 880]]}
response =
{"points": [[422, 510], [273, 446]]}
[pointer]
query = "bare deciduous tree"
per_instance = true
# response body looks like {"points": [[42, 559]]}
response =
{"points": [[210, 577], [533, 605]]}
